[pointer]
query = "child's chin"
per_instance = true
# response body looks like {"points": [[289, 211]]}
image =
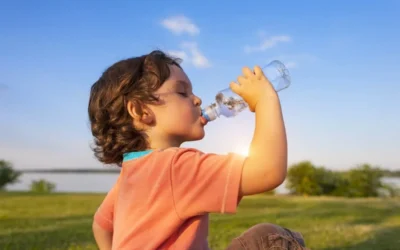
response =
{"points": [[198, 136]]}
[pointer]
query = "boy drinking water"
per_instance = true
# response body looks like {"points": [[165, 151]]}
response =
{"points": [[141, 110]]}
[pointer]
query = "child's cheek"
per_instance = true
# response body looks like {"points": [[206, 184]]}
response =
{"points": [[188, 114]]}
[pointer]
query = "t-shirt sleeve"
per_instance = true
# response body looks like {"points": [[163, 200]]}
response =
{"points": [[205, 183], [104, 215]]}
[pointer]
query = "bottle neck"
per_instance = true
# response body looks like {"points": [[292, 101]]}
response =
{"points": [[211, 112]]}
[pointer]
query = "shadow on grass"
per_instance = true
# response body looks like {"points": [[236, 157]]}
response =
{"points": [[385, 239], [46, 233]]}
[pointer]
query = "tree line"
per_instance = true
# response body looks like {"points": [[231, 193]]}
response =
{"points": [[364, 180]]}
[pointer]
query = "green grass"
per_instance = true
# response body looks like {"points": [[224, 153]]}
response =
{"points": [[63, 221]]}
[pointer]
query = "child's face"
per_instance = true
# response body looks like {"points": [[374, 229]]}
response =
{"points": [[178, 117]]}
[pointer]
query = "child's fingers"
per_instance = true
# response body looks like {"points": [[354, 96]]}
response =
{"points": [[248, 73], [235, 88], [259, 73], [241, 80]]}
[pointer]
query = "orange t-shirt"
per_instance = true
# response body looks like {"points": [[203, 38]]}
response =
{"points": [[161, 199]]}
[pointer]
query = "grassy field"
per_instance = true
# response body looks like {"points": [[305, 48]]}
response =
{"points": [[63, 221]]}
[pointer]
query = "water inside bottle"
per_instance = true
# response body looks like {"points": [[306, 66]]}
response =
{"points": [[230, 105]]}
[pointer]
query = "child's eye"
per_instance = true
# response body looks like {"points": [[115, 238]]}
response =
{"points": [[183, 94]]}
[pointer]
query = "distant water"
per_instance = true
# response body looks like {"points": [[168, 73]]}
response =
{"points": [[100, 183], [392, 180]]}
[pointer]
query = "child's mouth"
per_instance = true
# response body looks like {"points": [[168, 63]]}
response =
{"points": [[203, 120]]}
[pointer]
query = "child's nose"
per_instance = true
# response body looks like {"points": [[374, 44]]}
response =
{"points": [[197, 101]]}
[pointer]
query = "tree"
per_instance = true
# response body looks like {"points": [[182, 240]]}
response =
{"points": [[328, 180], [42, 186], [301, 179], [364, 181], [7, 174]]}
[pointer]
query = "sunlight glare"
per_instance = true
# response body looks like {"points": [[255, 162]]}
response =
{"points": [[242, 150]]}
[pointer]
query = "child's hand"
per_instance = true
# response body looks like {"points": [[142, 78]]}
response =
{"points": [[253, 86]]}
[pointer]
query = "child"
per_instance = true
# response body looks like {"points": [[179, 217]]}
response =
{"points": [[141, 110]]}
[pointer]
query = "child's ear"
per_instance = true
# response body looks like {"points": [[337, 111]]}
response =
{"points": [[140, 112], [147, 116]]}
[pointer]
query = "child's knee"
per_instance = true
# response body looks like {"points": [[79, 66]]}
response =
{"points": [[268, 236]]}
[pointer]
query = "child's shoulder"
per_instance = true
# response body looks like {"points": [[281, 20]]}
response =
{"points": [[179, 150], [157, 156], [175, 155]]}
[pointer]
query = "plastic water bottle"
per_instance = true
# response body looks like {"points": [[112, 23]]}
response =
{"points": [[229, 104]]}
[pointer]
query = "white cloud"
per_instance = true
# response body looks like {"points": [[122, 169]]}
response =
{"points": [[191, 54], [180, 25], [178, 53], [196, 56], [268, 43]]}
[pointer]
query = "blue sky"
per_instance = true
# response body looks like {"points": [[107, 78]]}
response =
{"points": [[342, 108]]}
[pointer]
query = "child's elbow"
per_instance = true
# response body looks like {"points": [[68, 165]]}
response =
{"points": [[261, 179], [278, 179], [95, 227], [102, 237], [274, 176]]}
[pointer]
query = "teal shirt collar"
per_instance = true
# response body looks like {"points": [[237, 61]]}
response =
{"points": [[134, 155]]}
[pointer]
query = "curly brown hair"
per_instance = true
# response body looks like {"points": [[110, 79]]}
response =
{"points": [[134, 79]]}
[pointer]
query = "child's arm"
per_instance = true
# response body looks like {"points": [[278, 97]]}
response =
{"points": [[103, 220], [103, 237], [207, 183], [265, 168]]}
